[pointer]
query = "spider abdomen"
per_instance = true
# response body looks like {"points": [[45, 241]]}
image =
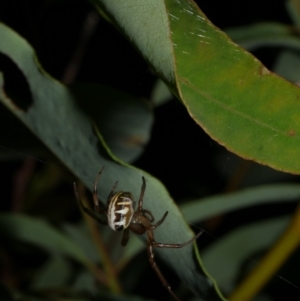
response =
{"points": [[120, 210]]}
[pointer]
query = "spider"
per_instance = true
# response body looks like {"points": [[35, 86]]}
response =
{"points": [[121, 215]]}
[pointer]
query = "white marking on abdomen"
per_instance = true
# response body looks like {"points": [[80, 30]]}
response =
{"points": [[124, 203], [120, 223], [122, 211]]}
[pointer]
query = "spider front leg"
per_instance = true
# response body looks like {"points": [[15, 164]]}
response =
{"points": [[87, 210], [159, 222], [95, 196], [95, 192], [140, 203]]}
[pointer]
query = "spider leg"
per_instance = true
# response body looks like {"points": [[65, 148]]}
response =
{"points": [[95, 197], [159, 222], [150, 217], [112, 191], [125, 237], [157, 270], [174, 246], [88, 211], [140, 204], [152, 243]]}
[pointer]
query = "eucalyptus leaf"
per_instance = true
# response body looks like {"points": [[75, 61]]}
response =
{"points": [[287, 65], [238, 246], [39, 233], [55, 273], [82, 237], [160, 93], [200, 210], [84, 282], [55, 118], [265, 34], [293, 9], [125, 121], [228, 92]]}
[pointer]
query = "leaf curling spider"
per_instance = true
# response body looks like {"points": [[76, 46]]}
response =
{"points": [[121, 215]]}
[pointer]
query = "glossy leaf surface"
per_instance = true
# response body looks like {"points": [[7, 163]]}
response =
{"points": [[56, 119], [228, 92]]}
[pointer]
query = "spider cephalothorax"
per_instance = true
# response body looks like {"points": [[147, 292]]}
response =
{"points": [[121, 215]]}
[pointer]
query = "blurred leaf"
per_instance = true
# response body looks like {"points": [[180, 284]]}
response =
{"points": [[84, 282], [238, 246], [124, 120], [235, 99], [293, 8], [55, 118], [265, 34], [39, 233], [199, 210], [160, 93], [54, 273], [287, 65], [81, 236], [241, 244]]}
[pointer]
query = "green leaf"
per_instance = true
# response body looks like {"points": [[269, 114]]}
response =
{"points": [[39, 233], [54, 274], [160, 93], [124, 120], [293, 9], [56, 119], [84, 282], [199, 210], [228, 92], [241, 244], [238, 246], [265, 35], [82, 237], [287, 65]]}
